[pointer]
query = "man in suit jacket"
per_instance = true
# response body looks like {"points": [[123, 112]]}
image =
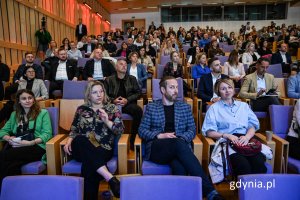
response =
{"points": [[62, 70], [207, 82], [98, 68], [168, 129], [89, 47], [283, 57], [257, 84], [81, 30]]}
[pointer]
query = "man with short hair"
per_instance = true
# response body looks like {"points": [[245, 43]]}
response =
{"points": [[110, 46], [293, 85], [80, 30], [283, 57], [168, 129], [62, 70], [124, 90], [207, 82], [98, 68], [260, 87], [130, 46], [89, 47], [4, 77], [29, 58]]}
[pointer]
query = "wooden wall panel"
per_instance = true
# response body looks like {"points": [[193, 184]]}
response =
{"points": [[11, 21], [23, 27], [17, 25], [27, 24], [2, 52], [1, 26], [5, 20]]}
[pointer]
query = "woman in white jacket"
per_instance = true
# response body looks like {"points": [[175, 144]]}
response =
{"points": [[250, 56]]}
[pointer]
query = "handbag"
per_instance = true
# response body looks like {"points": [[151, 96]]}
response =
{"points": [[251, 149], [27, 134]]}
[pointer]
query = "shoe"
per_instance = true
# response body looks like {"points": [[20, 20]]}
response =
{"points": [[218, 197], [114, 185]]}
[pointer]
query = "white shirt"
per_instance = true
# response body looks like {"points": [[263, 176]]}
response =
{"points": [[98, 73], [80, 28], [214, 82], [261, 84], [295, 121], [283, 57], [133, 72], [61, 73], [74, 54], [89, 48]]}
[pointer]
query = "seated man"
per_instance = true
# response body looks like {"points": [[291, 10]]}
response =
{"points": [[207, 82], [168, 129], [257, 86], [62, 70], [283, 57], [98, 68], [124, 90], [89, 47], [110, 46], [29, 57], [293, 86], [4, 77]]}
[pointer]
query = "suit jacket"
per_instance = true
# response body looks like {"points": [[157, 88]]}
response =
{"points": [[142, 74], [276, 58], [206, 88], [71, 67], [84, 48], [38, 88], [107, 68], [83, 30], [249, 87], [4, 72], [153, 123]]}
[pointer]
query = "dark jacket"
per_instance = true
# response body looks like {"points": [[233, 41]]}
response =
{"points": [[21, 69], [168, 70], [84, 48], [4, 73], [132, 88], [72, 70], [110, 47], [205, 88], [83, 30], [276, 58], [107, 68]]}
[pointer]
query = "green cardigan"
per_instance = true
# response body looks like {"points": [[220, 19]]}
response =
{"points": [[43, 127]]}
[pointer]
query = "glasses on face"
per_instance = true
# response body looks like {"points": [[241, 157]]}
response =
{"points": [[30, 72]]}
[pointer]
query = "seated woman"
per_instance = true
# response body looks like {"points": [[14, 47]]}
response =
{"points": [[123, 51], [264, 50], [231, 40], [167, 48], [65, 44], [174, 68], [234, 121], [200, 67], [20, 150], [91, 140], [192, 58], [234, 69], [137, 70], [250, 56], [293, 136], [238, 47], [150, 51], [144, 59], [215, 50]]}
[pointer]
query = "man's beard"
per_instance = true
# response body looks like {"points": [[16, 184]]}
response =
{"points": [[171, 98]]}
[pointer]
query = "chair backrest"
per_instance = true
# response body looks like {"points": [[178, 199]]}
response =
{"points": [[281, 118], [74, 89], [156, 94], [269, 186], [67, 109], [160, 71], [161, 187], [228, 48], [31, 187], [281, 83], [185, 48], [222, 59], [82, 61], [164, 60], [275, 70], [54, 115], [35, 61]]}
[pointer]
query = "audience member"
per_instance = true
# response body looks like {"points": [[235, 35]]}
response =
{"points": [[293, 86], [264, 50], [283, 57], [50, 51], [4, 77], [250, 57], [89, 47], [123, 51], [74, 53], [200, 68], [110, 46], [80, 30], [214, 50], [137, 70], [293, 136]]}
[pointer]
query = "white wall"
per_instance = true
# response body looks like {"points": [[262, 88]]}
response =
{"points": [[228, 26]]}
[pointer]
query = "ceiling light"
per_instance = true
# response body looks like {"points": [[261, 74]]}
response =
{"points": [[107, 21], [137, 8], [152, 7], [99, 14], [87, 5]]}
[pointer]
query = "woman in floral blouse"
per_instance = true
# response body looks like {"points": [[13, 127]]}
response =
{"points": [[91, 140]]}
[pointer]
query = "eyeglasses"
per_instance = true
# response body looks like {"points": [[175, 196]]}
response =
{"points": [[30, 72]]}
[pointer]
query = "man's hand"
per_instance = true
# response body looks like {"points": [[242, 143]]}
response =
{"points": [[75, 79], [261, 91], [166, 135], [90, 79]]}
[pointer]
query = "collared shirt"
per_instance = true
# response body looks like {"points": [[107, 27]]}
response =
{"points": [[214, 79], [80, 28], [74, 54], [235, 118], [98, 73], [61, 73], [133, 72], [89, 48], [283, 57], [261, 84]]}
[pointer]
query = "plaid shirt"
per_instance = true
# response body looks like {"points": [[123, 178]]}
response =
{"points": [[153, 123]]}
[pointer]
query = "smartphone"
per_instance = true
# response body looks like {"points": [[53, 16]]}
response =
{"points": [[271, 91]]}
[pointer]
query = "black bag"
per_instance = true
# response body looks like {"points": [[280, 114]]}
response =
{"points": [[27, 134]]}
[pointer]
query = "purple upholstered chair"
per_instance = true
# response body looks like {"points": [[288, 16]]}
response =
{"points": [[165, 59], [156, 94], [161, 187], [38, 166], [275, 70], [281, 118], [42, 187], [222, 59], [160, 71], [228, 48], [81, 62], [273, 186], [185, 48], [74, 89], [36, 61]]}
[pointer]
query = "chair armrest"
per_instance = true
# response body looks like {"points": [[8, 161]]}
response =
{"points": [[198, 148], [45, 103], [150, 100], [138, 154], [208, 146], [282, 153], [122, 153], [55, 103], [149, 87], [63, 156], [197, 112], [140, 103], [284, 101], [53, 154], [245, 100], [271, 144], [189, 101]]}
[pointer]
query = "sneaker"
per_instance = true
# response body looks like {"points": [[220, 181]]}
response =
{"points": [[114, 185]]}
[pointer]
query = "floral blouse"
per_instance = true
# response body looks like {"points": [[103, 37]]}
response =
{"points": [[87, 122]]}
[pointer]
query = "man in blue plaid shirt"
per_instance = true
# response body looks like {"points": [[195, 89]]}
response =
{"points": [[168, 129]]}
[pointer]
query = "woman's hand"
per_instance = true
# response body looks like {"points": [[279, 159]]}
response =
{"points": [[243, 140], [103, 115], [67, 147], [234, 139], [21, 143]]}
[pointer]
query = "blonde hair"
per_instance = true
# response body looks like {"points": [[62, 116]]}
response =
{"points": [[198, 57], [218, 83], [88, 91]]}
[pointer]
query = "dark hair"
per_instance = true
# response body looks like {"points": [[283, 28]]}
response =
{"points": [[63, 41], [232, 59], [172, 53], [210, 61], [61, 49], [28, 52], [34, 110], [122, 59], [29, 67], [132, 53], [260, 60], [163, 81]]}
